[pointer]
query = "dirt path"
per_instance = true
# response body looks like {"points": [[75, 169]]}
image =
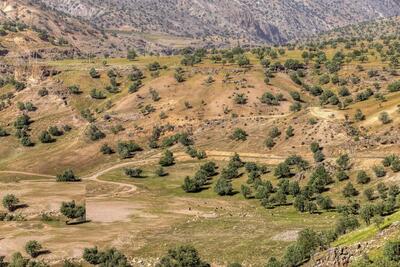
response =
{"points": [[326, 114], [179, 157], [28, 173]]}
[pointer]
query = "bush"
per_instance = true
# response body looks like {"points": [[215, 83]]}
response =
{"points": [[94, 74], [394, 87], [384, 117], [379, 171], [191, 185], [343, 162], [106, 149], [126, 149], [10, 202], [72, 211], [67, 176], [46, 138], [54, 131], [33, 248], [239, 135], [363, 178], [133, 172], [22, 121], [167, 159], [74, 89], [185, 256], [282, 170], [161, 172], [391, 251], [94, 133], [342, 175], [240, 99], [246, 191], [134, 87], [97, 94], [223, 187], [3, 132], [349, 190]]}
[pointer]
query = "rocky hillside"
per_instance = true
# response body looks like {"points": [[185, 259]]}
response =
{"points": [[273, 21]]}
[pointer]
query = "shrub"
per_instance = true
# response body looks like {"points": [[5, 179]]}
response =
{"points": [[74, 89], [239, 135], [167, 159], [191, 185], [106, 149], [94, 133], [363, 178], [282, 170], [379, 171], [394, 87], [45, 137], [94, 73], [54, 131], [349, 190], [33, 248], [72, 211], [126, 149], [133, 172], [342, 175], [384, 117], [161, 172], [391, 251], [182, 256], [10, 202], [223, 187], [67, 176]]}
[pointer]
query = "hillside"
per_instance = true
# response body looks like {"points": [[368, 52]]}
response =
{"points": [[365, 30], [134, 142], [145, 144], [223, 21]]}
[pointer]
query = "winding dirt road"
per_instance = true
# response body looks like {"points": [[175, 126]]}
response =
{"points": [[179, 157]]}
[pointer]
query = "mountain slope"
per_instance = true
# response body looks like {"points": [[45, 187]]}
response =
{"points": [[273, 21]]}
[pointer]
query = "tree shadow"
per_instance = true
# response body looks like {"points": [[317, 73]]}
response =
{"points": [[77, 222], [20, 206]]}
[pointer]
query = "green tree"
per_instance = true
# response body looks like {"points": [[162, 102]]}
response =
{"points": [[369, 194], [289, 132], [131, 54], [94, 73], [133, 172], [10, 202], [223, 187], [167, 159], [72, 211], [191, 185], [246, 191], [343, 162], [363, 178], [45, 137], [183, 256], [33, 248], [17, 260], [106, 149], [349, 190], [392, 251], [67, 176], [239, 135], [367, 212], [282, 170]]}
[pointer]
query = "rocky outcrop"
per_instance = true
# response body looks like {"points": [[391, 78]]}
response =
{"points": [[341, 256]]}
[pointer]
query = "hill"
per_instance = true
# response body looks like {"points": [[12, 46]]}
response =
{"points": [[243, 156], [224, 21]]}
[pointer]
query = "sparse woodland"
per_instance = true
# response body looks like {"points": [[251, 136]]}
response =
{"points": [[287, 150]]}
